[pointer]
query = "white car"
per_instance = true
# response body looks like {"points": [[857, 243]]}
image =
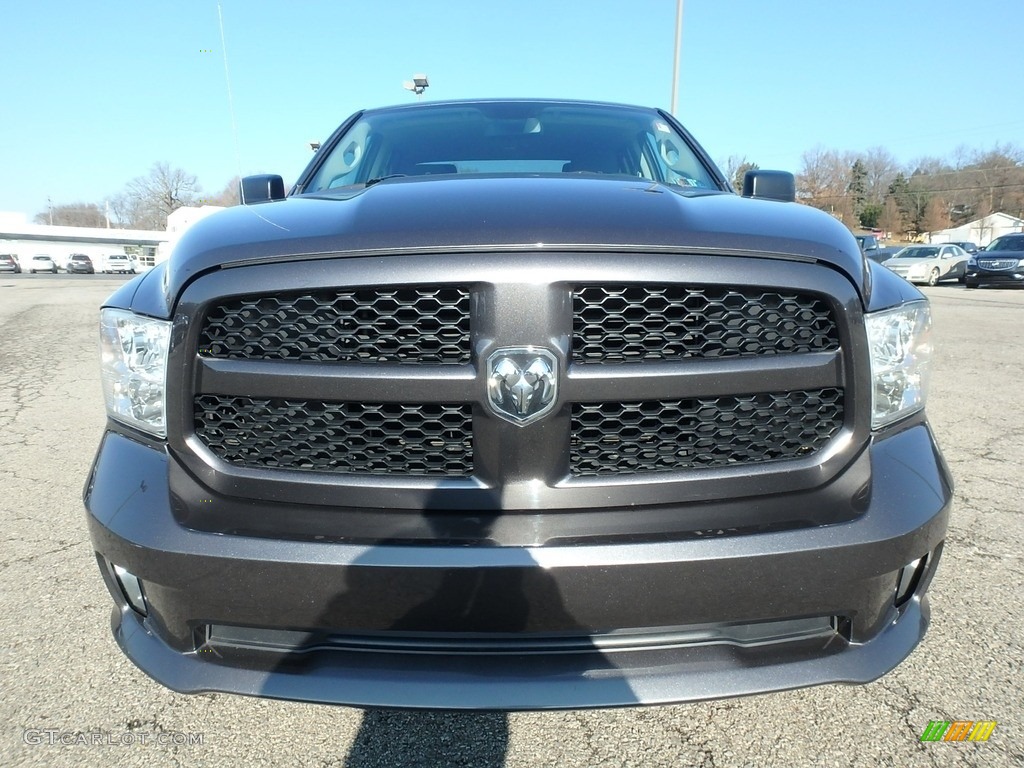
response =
{"points": [[930, 263], [42, 263], [121, 264]]}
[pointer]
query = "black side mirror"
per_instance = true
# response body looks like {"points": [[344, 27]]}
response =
{"points": [[264, 188], [770, 185]]}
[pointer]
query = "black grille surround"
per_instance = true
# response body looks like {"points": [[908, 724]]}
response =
{"points": [[265, 428], [317, 436], [401, 324], [652, 436], [636, 322]]}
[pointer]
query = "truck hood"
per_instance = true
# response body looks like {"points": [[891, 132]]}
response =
{"points": [[409, 215]]}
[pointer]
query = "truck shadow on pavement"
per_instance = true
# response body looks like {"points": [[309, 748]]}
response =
{"points": [[494, 602], [429, 739]]}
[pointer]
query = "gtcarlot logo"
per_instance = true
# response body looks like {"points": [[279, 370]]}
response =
{"points": [[958, 730], [52, 737]]}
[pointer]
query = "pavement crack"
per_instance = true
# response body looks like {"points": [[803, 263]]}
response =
{"points": [[37, 555]]}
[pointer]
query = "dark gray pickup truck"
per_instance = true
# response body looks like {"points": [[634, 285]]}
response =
{"points": [[516, 405]]}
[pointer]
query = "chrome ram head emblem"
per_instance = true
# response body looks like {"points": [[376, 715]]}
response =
{"points": [[522, 383]]}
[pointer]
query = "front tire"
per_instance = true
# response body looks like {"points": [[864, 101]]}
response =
{"points": [[970, 284], [933, 277]]}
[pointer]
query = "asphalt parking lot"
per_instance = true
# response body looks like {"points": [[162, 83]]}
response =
{"points": [[68, 696]]}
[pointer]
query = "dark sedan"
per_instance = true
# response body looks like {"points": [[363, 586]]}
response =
{"points": [[967, 245], [80, 264], [1001, 262]]}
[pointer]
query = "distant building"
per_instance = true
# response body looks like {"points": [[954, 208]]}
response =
{"points": [[178, 222], [25, 240], [982, 231]]}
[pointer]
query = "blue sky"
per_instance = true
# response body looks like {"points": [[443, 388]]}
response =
{"points": [[92, 94]]}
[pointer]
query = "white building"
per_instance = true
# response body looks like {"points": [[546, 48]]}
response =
{"points": [[982, 231], [178, 222], [25, 240]]}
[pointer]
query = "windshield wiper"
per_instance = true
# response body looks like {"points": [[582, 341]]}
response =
{"points": [[371, 182]]}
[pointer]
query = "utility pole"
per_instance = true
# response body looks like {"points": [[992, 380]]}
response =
{"points": [[675, 58]]}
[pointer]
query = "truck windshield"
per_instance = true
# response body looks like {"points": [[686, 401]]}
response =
{"points": [[511, 139]]}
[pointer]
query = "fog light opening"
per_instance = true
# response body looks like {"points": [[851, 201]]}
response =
{"points": [[908, 579], [131, 588]]}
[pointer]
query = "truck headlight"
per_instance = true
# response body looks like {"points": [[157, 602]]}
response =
{"points": [[133, 362], [901, 351]]}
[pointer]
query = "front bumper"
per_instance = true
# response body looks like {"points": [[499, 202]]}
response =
{"points": [[491, 627], [980, 276]]}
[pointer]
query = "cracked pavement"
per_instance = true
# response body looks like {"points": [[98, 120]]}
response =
{"points": [[61, 670]]}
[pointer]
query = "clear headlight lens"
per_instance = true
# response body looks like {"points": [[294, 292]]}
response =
{"points": [[133, 361], [901, 352]]}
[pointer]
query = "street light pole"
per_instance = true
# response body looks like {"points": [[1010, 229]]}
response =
{"points": [[675, 59], [417, 85]]}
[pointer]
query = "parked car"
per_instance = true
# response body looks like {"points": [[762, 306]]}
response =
{"points": [[79, 263], [867, 243], [966, 245], [1001, 262], [120, 264], [930, 263], [883, 254], [42, 263], [515, 404], [8, 263]]}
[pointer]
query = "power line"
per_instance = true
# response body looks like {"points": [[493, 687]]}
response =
{"points": [[231, 100]]}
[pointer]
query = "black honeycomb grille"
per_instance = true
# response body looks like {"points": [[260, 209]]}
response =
{"points": [[317, 436], [419, 325], [653, 436], [630, 323]]}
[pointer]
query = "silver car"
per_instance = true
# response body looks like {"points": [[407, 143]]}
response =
{"points": [[930, 263]]}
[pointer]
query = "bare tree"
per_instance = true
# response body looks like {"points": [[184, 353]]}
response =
{"points": [[128, 211], [148, 200], [824, 182], [73, 215], [227, 197], [880, 168], [998, 176], [935, 215], [892, 219], [735, 168]]}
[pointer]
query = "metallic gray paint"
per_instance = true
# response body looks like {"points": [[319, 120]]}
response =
{"points": [[521, 547], [192, 577]]}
